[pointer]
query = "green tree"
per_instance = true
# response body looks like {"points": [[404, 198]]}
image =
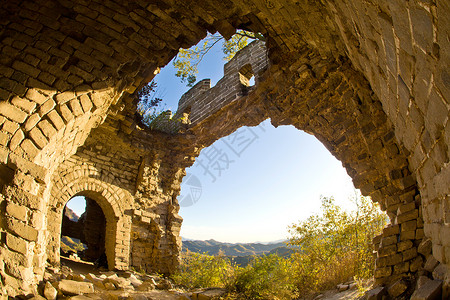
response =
{"points": [[148, 102], [187, 60]]}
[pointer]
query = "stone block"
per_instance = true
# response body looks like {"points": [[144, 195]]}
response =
{"points": [[30, 148], [397, 288], [410, 215], [440, 272], [409, 226], [64, 97], [388, 250], [376, 293], [383, 272], [86, 103], [76, 108], [35, 96], [409, 254], [23, 104], [50, 292], [16, 139], [71, 287], [407, 235], [401, 268], [424, 247], [17, 211], [416, 264], [390, 240], [46, 107], [21, 229], [56, 119], [430, 264], [66, 113], [431, 290], [13, 113], [47, 128], [19, 245], [404, 245], [38, 138]]}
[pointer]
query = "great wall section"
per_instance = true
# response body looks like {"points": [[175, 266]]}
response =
{"points": [[369, 79]]}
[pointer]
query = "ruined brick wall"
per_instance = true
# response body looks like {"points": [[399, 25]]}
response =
{"points": [[202, 101], [134, 187], [67, 66]]}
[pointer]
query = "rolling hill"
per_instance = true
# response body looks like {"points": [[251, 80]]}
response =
{"points": [[214, 247]]}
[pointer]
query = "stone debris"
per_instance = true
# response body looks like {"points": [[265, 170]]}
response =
{"points": [[342, 287], [431, 290], [207, 294], [72, 287], [50, 292], [397, 288], [376, 293], [116, 285]]}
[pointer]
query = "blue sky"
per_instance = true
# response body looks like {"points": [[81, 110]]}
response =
{"points": [[255, 183]]}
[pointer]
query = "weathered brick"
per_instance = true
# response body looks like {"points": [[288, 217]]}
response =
{"points": [[408, 235], [388, 250], [409, 254], [403, 245], [383, 272], [86, 103], [47, 128], [410, 215], [391, 230], [16, 139], [75, 107], [65, 113], [35, 96], [19, 245], [13, 113], [25, 231], [385, 241], [23, 104], [29, 148], [404, 208], [46, 107], [401, 268], [56, 119], [26, 68], [38, 138], [409, 225], [64, 97], [17, 211]]}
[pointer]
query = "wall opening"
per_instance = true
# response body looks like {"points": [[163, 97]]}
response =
{"points": [[240, 186], [246, 76], [83, 231]]}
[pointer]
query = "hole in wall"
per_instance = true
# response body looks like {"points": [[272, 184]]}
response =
{"points": [[249, 186]]}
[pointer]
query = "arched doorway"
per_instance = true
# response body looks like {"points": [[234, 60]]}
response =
{"points": [[83, 233]]}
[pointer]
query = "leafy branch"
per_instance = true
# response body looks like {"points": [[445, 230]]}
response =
{"points": [[188, 60]]}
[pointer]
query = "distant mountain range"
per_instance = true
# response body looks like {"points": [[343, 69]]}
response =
{"points": [[213, 247], [71, 214]]}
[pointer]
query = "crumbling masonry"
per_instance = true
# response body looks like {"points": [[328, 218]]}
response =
{"points": [[369, 79]]}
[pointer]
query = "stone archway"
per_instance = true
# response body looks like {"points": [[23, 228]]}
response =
{"points": [[88, 229], [117, 223]]}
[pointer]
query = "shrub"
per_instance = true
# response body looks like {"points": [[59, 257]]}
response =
{"points": [[266, 277], [203, 270], [335, 245]]}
